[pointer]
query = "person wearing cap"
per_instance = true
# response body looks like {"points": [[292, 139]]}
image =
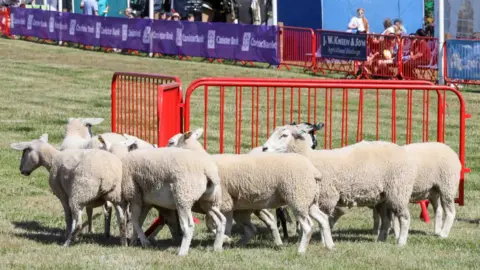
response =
{"points": [[169, 16], [176, 16], [163, 15], [190, 17], [399, 24]]}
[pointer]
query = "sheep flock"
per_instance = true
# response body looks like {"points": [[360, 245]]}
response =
{"points": [[131, 176]]}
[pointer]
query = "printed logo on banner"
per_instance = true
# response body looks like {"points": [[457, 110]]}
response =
{"points": [[146, 35], [98, 28], [178, 40], [124, 32], [12, 23], [211, 39], [246, 41], [29, 22], [72, 27], [51, 25]]}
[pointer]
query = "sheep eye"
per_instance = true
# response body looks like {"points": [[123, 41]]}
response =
{"points": [[284, 136]]}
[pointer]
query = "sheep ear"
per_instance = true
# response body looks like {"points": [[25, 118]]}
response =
{"points": [[187, 135], [92, 121], [130, 141], [318, 126], [173, 140], [44, 137], [102, 141], [20, 146], [198, 133]]}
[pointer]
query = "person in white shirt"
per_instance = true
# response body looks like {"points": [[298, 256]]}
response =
{"points": [[399, 24], [389, 28], [359, 22]]}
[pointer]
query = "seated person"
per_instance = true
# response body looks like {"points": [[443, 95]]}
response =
{"points": [[420, 55]]}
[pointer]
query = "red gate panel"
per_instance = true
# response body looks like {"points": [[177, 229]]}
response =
{"points": [[351, 110], [134, 105]]}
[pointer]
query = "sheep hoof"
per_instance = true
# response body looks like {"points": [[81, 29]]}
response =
{"points": [[443, 236]]}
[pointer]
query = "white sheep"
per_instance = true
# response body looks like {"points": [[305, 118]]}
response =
{"points": [[363, 174], [260, 181], [437, 180], [174, 179], [78, 132], [79, 178]]}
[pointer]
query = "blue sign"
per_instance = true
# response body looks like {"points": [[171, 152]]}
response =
{"points": [[346, 46], [463, 59]]}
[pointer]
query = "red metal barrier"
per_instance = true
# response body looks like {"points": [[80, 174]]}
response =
{"points": [[384, 56], [423, 65], [296, 47], [287, 100], [350, 68], [4, 21], [134, 106]]}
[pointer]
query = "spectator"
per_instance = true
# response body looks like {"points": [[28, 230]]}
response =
{"points": [[90, 7], [359, 22], [128, 13], [176, 16], [389, 28], [103, 7], [169, 16], [190, 17], [163, 15], [420, 54], [429, 27], [399, 24]]}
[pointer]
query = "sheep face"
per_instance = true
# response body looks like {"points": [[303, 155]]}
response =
{"points": [[130, 144], [283, 136], [83, 126], [187, 140], [31, 159]]}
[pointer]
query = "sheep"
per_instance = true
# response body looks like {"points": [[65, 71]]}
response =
{"points": [[174, 179], [437, 179], [258, 181], [78, 178], [78, 135], [363, 174]]}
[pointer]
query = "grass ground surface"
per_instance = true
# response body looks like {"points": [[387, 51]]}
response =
{"points": [[43, 85]]}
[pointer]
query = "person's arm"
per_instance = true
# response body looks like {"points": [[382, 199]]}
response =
{"points": [[352, 24]]}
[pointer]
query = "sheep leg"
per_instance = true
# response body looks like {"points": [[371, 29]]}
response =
{"points": [[396, 226], [89, 219], [136, 208], [435, 200], [187, 224], [282, 220], [122, 224], [243, 218], [76, 225], [337, 213], [404, 218], [269, 220], [228, 226], [449, 208], [385, 223], [210, 224], [107, 211], [323, 221], [220, 222], [376, 220], [306, 224], [68, 219]]}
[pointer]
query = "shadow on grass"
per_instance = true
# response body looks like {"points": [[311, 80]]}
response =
{"points": [[471, 221], [48, 235]]}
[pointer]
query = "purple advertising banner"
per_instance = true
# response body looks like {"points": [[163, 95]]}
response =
{"points": [[212, 40]]}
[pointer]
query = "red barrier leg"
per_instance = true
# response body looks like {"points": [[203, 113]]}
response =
{"points": [[159, 221], [424, 215]]}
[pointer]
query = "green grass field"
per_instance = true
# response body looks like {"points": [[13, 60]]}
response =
{"points": [[43, 85]]}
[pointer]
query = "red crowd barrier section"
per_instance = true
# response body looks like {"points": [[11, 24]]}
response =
{"points": [[349, 67], [350, 109], [139, 108], [4, 21], [384, 54], [419, 58], [296, 47]]}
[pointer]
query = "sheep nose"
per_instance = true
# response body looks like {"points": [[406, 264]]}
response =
{"points": [[264, 148]]}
